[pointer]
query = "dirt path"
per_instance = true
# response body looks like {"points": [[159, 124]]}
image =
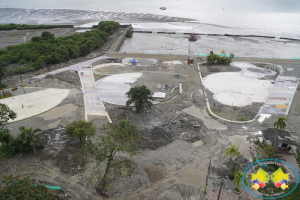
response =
{"points": [[44, 171]]}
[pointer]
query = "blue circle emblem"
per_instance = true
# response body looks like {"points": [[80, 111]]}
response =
{"points": [[276, 160]]}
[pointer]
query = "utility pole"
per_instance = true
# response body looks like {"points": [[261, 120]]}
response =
{"points": [[21, 80], [220, 190], [207, 177]]}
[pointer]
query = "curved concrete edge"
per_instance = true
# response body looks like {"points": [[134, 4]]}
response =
{"points": [[213, 114], [33, 115], [94, 68]]}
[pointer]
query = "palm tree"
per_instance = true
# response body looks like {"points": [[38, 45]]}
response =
{"points": [[29, 138], [280, 123], [232, 151], [237, 179], [140, 96]]}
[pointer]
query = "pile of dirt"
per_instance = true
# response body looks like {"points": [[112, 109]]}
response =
{"points": [[162, 124], [155, 173], [60, 150]]}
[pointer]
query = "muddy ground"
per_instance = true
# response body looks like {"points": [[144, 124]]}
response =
{"points": [[176, 147]]}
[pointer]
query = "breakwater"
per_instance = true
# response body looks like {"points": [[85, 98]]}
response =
{"points": [[212, 34]]}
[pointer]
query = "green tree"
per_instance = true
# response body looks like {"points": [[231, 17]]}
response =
{"points": [[14, 187], [128, 33], [231, 151], [280, 123], [269, 150], [29, 138], [3, 72], [47, 35], [5, 115], [80, 130], [140, 96], [120, 137], [5, 137], [237, 180]]}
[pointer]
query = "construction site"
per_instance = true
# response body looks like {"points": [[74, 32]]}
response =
{"points": [[198, 111]]}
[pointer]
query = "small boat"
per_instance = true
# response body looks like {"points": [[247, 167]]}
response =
{"points": [[163, 8]]}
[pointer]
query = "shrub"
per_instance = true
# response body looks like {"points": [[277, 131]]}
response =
{"points": [[241, 119], [222, 59], [2, 85], [5, 94], [128, 34], [14, 187]]}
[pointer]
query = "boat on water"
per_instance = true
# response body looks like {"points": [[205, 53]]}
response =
{"points": [[163, 8]]}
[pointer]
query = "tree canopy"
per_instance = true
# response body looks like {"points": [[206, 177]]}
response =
{"points": [[221, 59], [80, 130], [108, 26], [26, 26], [141, 97], [231, 151], [46, 49], [280, 123], [29, 138], [5, 115], [120, 137]]}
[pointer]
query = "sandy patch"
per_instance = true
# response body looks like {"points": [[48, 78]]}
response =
{"points": [[35, 103]]}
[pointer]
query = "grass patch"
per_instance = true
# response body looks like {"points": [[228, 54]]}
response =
{"points": [[242, 119], [98, 76]]}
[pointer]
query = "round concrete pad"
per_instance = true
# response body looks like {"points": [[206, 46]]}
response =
{"points": [[35, 103], [235, 99]]}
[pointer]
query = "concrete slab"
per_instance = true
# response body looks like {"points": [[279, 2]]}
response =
{"points": [[240, 87], [161, 95], [112, 89], [35, 103]]}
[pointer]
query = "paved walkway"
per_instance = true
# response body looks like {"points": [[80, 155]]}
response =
{"points": [[93, 104], [35, 103], [281, 96]]}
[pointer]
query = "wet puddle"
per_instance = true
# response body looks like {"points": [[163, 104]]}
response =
{"points": [[194, 174], [198, 143], [209, 123], [242, 145]]}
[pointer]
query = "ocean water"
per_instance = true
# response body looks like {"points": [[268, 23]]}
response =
{"points": [[275, 17]]}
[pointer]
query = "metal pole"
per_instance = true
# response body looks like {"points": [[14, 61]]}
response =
{"points": [[220, 190], [207, 176], [21, 80]]}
